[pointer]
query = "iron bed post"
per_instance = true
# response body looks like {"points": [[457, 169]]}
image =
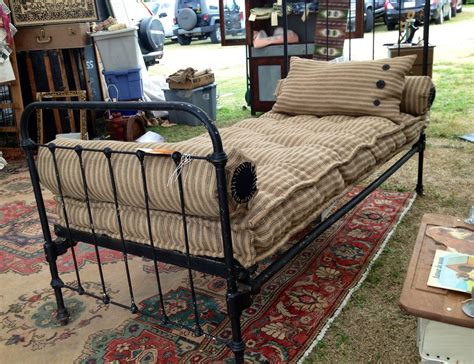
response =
{"points": [[236, 300], [50, 251], [421, 157]]}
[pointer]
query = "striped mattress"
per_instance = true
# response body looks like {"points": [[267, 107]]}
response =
{"points": [[302, 164]]}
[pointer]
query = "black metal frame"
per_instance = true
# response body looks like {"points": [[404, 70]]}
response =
{"points": [[242, 283]]}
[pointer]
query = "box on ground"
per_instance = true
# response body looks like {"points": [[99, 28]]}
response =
{"points": [[119, 49], [417, 69], [195, 82], [202, 97], [125, 84]]}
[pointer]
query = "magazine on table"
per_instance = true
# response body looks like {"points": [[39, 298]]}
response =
{"points": [[452, 270]]}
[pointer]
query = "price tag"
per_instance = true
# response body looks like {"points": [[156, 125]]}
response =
{"points": [[303, 17], [279, 2], [274, 19], [252, 17]]}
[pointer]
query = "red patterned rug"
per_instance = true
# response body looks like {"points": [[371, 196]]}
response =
{"points": [[283, 322]]}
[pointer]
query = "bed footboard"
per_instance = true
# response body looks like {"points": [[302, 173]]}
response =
{"points": [[228, 268]]}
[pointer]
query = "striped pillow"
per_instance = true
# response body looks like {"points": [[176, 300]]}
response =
{"points": [[417, 95], [349, 88]]}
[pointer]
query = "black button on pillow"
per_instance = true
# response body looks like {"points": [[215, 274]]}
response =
{"points": [[380, 84], [386, 67], [376, 102]]}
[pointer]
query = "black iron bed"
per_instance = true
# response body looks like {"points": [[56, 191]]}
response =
{"points": [[242, 283]]}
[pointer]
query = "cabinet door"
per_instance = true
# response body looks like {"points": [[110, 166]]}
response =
{"points": [[264, 76]]}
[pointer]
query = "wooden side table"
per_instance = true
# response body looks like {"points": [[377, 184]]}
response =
{"points": [[444, 333]]}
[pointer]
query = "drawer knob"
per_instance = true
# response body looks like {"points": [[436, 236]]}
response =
{"points": [[42, 38]]}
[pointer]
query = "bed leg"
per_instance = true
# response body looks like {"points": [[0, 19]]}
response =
{"points": [[421, 156], [237, 301], [62, 314], [237, 344]]}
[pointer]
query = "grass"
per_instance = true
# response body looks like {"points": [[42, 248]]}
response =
{"points": [[453, 110]]}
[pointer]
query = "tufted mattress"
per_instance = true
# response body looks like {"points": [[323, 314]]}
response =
{"points": [[302, 163]]}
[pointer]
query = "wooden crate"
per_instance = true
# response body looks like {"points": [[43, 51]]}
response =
{"points": [[417, 69], [195, 82]]}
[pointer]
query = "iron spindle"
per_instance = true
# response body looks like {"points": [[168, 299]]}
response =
{"points": [[52, 149], [78, 149], [108, 155], [179, 168], [373, 29], [141, 158]]}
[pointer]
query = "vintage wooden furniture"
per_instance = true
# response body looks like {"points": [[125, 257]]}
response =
{"points": [[417, 70], [11, 108], [444, 333]]}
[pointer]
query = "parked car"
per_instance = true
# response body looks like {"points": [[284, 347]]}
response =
{"points": [[456, 7], [440, 11], [393, 12], [234, 22], [197, 18], [165, 11], [373, 9]]}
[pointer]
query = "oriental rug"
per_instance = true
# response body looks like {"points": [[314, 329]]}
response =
{"points": [[284, 321]]}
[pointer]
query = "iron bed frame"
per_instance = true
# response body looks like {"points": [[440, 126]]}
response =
{"points": [[242, 283]]}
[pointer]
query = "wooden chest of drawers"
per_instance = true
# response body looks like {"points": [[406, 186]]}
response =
{"points": [[60, 36]]}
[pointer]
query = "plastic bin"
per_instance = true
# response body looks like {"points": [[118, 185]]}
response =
{"points": [[124, 85], [202, 97], [119, 49]]}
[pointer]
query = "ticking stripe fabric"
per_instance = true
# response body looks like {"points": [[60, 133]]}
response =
{"points": [[416, 95], [353, 88], [199, 177], [303, 163]]}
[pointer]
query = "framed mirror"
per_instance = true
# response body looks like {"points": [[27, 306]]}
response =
{"points": [[233, 27]]}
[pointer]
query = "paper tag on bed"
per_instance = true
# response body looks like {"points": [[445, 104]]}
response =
{"points": [[274, 19], [157, 151], [252, 17]]}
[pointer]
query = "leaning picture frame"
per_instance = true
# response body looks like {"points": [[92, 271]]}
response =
{"points": [[42, 12], [43, 96]]}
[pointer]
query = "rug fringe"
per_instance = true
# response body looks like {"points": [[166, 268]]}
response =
{"points": [[356, 287]]}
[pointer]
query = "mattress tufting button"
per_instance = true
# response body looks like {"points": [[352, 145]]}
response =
{"points": [[376, 102], [386, 67], [380, 84]]}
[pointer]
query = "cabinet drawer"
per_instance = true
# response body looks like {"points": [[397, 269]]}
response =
{"points": [[52, 37]]}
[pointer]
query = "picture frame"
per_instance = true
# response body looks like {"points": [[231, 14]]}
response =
{"points": [[43, 12], [42, 96]]}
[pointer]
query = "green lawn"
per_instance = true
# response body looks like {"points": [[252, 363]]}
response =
{"points": [[453, 110]]}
